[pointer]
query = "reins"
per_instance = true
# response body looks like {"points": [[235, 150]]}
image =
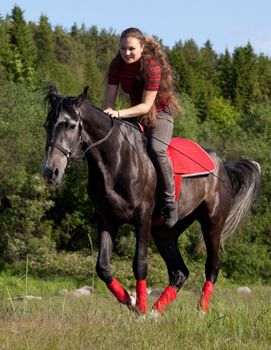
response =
{"points": [[97, 143]]}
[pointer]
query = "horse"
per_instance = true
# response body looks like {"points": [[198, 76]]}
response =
{"points": [[122, 185]]}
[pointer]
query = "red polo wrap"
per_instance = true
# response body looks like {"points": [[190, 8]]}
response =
{"points": [[166, 298], [207, 291], [141, 296], [120, 293]]}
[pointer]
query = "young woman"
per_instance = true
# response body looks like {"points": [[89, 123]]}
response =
{"points": [[141, 69]]}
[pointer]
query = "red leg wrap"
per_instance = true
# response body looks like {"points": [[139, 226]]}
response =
{"points": [[167, 297], [207, 291], [141, 296], [120, 293]]}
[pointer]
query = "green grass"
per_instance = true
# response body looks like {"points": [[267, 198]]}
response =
{"points": [[99, 322]]}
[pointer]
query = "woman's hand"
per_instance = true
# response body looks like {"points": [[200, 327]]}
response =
{"points": [[113, 114]]}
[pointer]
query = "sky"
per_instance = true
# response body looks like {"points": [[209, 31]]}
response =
{"points": [[226, 23]]}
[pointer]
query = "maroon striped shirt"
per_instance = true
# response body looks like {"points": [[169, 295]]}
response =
{"points": [[127, 75]]}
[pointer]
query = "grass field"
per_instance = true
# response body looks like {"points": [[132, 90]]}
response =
{"points": [[235, 321]]}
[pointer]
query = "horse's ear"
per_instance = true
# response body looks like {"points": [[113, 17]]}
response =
{"points": [[81, 98], [52, 90], [52, 95]]}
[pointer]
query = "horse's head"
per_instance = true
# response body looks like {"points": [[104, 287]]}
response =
{"points": [[63, 128]]}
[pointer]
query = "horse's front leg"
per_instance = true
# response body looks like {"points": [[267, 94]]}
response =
{"points": [[140, 262], [106, 237]]}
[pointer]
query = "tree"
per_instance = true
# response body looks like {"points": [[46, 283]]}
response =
{"points": [[207, 61], [24, 49], [45, 42], [224, 114], [182, 70], [94, 79], [6, 59], [224, 74], [63, 46], [264, 78], [191, 53], [244, 77]]}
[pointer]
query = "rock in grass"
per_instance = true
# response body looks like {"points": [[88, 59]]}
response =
{"points": [[84, 291], [243, 290]]}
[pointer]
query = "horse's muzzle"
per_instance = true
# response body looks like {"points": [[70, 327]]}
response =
{"points": [[50, 175]]}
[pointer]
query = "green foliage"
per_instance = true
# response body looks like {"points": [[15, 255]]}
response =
{"points": [[187, 123], [247, 262], [223, 113]]}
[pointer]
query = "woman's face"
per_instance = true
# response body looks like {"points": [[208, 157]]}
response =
{"points": [[130, 49]]}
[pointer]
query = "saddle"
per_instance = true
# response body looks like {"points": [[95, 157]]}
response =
{"points": [[188, 159]]}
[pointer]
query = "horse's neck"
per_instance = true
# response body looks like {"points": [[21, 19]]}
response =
{"points": [[95, 123]]}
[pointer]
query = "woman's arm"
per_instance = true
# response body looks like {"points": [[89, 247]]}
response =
{"points": [[148, 98], [110, 96]]}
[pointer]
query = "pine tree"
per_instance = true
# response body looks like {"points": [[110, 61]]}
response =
{"points": [[6, 61], [244, 76], [183, 72], [224, 74], [264, 78], [64, 46], [191, 53], [75, 32], [45, 42], [23, 45], [207, 61]]}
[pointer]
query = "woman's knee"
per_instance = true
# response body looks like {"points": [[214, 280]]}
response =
{"points": [[155, 149]]}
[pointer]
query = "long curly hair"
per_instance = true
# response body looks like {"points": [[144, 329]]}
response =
{"points": [[152, 50]]}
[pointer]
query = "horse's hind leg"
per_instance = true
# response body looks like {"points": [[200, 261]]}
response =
{"points": [[211, 230], [177, 270]]}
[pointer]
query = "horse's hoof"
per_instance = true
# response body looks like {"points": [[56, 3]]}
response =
{"points": [[202, 311], [132, 300], [154, 314]]}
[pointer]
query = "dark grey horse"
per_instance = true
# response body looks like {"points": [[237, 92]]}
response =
{"points": [[122, 186]]}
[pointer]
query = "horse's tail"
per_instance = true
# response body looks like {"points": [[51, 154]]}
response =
{"points": [[245, 177]]}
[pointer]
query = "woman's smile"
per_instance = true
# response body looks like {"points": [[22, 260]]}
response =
{"points": [[130, 49]]}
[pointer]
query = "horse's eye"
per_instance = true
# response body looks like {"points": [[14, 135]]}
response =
{"points": [[69, 126]]}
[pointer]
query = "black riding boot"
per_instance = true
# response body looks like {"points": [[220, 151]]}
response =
{"points": [[158, 141]]}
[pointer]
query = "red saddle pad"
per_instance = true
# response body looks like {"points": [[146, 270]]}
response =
{"points": [[188, 159]]}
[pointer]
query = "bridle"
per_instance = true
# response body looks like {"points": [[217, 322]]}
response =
{"points": [[69, 153]]}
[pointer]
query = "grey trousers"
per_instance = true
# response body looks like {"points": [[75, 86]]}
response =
{"points": [[158, 141]]}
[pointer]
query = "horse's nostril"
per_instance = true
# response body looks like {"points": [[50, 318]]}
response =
{"points": [[56, 172], [47, 174]]}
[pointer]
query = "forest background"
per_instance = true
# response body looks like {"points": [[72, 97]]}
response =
{"points": [[226, 100]]}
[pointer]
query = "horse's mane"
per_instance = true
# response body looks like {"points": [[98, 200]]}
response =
{"points": [[60, 103]]}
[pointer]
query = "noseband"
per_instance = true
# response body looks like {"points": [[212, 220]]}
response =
{"points": [[67, 153]]}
